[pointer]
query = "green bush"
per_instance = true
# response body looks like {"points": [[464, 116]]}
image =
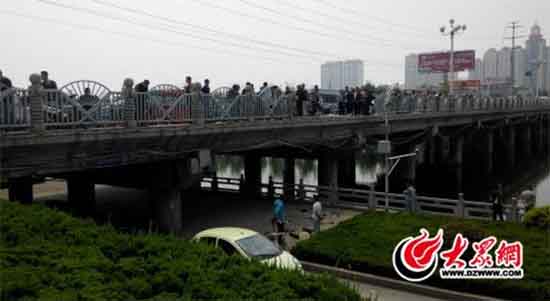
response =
{"points": [[47, 255], [538, 217], [366, 244]]}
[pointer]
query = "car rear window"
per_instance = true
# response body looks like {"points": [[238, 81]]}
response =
{"points": [[259, 247]]}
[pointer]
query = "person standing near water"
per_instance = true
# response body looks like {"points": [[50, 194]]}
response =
{"points": [[317, 215]]}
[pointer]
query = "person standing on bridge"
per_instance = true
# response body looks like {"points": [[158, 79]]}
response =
{"points": [[206, 88], [188, 85], [5, 83], [301, 99], [47, 83], [142, 87]]}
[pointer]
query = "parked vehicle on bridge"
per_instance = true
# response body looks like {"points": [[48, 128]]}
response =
{"points": [[329, 100], [249, 244]]}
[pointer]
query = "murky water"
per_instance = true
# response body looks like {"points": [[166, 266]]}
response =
{"points": [[369, 168]]}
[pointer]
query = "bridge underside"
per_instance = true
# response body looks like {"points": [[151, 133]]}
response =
{"points": [[169, 162]]}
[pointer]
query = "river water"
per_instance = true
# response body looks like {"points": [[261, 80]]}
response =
{"points": [[369, 169]]}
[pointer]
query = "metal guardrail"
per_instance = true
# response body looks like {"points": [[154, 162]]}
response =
{"points": [[361, 199], [73, 107]]}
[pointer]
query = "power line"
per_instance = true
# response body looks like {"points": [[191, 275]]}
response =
{"points": [[410, 29], [351, 35], [207, 29], [190, 35], [341, 20], [270, 21], [169, 29], [128, 35]]}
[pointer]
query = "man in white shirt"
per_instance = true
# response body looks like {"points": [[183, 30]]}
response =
{"points": [[317, 216]]}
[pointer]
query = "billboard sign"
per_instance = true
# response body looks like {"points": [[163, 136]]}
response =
{"points": [[466, 84], [439, 62]]}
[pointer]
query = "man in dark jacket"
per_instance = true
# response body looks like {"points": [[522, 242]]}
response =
{"points": [[206, 88], [142, 87], [47, 83]]}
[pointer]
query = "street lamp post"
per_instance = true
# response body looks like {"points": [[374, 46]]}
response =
{"points": [[384, 147], [453, 30]]}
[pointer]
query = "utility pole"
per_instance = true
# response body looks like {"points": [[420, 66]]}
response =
{"points": [[514, 26], [453, 30]]}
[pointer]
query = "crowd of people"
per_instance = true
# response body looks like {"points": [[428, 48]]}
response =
{"points": [[302, 101]]}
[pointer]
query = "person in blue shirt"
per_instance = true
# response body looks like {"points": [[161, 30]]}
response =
{"points": [[279, 216]]}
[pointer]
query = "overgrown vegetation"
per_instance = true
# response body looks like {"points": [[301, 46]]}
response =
{"points": [[538, 217], [366, 243], [48, 255]]}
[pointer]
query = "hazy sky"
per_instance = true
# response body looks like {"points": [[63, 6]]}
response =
{"points": [[241, 40]]}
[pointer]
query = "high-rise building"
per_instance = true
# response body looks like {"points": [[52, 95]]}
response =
{"points": [[490, 65], [354, 73], [339, 74], [477, 73], [504, 64], [418, 80], [520, 62], [536, 57], [411, 71], [332, 75]]}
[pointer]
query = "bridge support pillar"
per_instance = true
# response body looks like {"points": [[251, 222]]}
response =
{"points": [[81, 196], [20, 190], [459, 160], [540, 137], [253, 175], [528, 142], [432, 154], [490, 152], [328, 174], [168, 209], [511, 148], [289, 179], [346, 171]]}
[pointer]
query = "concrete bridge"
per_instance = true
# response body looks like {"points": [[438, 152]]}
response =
{"points": [[165, 141]]}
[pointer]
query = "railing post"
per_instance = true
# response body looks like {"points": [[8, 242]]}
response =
{"points": [[461, 211], [301, 191], [241, 184], [36, 101], [372, 198], [270, 189], [129, 103], [215, 186], [197, 112]]}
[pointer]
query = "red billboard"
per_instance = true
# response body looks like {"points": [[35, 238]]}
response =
{"points": [[439, 62], [466, 84]]}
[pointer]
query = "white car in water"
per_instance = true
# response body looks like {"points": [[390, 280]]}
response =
{"points": [[249, 244]]}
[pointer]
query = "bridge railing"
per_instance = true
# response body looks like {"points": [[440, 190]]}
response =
{"points": [[70, 108], [361, 199], [15, 112]]}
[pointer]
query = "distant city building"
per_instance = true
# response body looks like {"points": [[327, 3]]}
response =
{"points": [[520, 63], [536, 59], [339, 74], [490, 65], [477, 73], [418, 80], [504, 64]]}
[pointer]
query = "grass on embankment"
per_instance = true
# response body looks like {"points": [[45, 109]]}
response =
{"points": [[48, 255], [366, 243]]}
